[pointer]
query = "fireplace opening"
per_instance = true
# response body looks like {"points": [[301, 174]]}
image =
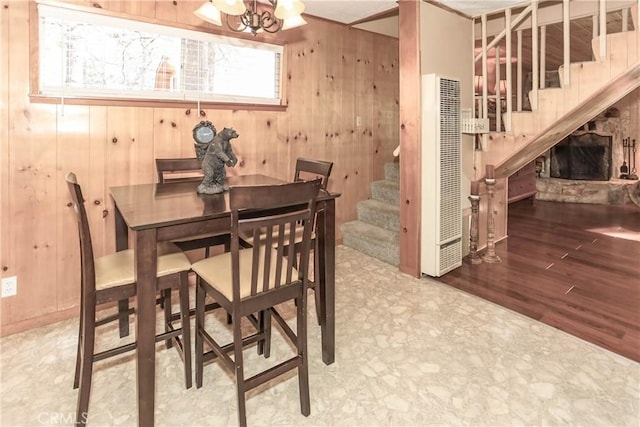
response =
{"points": [[582, 156]]}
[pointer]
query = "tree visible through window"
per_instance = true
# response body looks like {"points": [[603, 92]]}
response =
{"points": [[87, 54]]}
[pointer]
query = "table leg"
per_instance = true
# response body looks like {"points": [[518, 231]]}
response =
{"points": [[146, 267], [326, 281], [122, 243], [122, 231]]}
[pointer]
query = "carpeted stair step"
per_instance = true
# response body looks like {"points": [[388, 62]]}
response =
{"points": [[392, 171], [380, 214], [375, 233], [373, 241], [386, 191]]}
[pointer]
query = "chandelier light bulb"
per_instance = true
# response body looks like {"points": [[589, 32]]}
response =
{"points": [[208, 12], [288, 8], [293, 22], [231, 7]]}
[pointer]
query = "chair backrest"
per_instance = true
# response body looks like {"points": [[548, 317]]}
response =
{"points": [[310, 168], [180, 169], [88, 276], [271, 214]]}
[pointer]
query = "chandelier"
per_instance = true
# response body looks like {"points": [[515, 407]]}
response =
{"points": [[254, 16]]}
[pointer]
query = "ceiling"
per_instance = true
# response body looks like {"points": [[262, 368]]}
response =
{"points": [[350, 11]]}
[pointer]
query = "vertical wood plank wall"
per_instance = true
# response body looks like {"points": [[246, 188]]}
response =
{"points": [[333, 74]]}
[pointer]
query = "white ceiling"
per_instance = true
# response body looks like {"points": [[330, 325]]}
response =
{"points": [[348, 11], [478, 7]]}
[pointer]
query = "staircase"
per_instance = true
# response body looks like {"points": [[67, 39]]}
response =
{"points": [[594, 86], [376, 231]]}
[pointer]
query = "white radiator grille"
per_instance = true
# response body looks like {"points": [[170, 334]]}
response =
{"points": [[450, 137], [441, 229]]}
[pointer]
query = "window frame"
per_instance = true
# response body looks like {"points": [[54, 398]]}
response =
{"points": [[74, 99]]}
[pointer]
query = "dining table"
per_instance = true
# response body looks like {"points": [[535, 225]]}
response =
{"points": [[146, 214]]}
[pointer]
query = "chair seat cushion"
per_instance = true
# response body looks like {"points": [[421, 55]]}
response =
{"points": [[216, 271], [118, 268]]}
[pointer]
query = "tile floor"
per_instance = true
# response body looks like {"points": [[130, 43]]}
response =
{"points": [[409, 353]]}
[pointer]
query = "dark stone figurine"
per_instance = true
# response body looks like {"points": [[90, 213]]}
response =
{"points": [[214, 156]]}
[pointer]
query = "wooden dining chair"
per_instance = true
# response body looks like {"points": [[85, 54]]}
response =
{"points": [[189, 169], [179, 169], [308, 169], [311, 169], [111, 278], [256, 280]]}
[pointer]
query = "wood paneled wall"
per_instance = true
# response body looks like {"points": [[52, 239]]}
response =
{"points": [[333, 73]]}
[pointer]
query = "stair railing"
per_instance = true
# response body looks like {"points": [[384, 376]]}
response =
{"points": [[491, 102]]}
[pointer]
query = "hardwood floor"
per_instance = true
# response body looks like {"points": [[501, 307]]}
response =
{"points": [[559, 268]]}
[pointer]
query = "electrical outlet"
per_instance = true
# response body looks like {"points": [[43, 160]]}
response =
{"points": [[9, 286], [358, 121]]}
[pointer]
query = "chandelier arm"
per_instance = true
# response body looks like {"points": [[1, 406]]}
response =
{"points": [[245, 19], [243, 24], [267, 21], [278, 25]]}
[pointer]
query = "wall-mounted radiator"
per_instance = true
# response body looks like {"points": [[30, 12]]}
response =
{"points": [[441, 228]]}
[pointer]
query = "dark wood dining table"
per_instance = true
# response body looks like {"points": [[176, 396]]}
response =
{"points": [[159, 212]]}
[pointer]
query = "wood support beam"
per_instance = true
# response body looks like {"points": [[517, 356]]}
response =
{"points": [[410, 137]]}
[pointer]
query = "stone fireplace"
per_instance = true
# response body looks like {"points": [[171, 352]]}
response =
{"points": [[584, 168]]}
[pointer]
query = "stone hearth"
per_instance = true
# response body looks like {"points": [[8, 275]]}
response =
{"points": [[614, 191]]}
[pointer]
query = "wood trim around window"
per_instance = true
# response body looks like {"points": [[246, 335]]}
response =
{"points": [[154, 103]]}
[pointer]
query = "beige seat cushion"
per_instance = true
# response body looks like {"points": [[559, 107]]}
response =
{"points": [[118, 268], [216, 271]]}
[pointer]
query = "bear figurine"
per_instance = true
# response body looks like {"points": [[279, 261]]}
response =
{"points": [[219, 154]]}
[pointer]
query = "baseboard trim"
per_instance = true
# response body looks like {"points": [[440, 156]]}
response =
{"points": [[36, 322]]}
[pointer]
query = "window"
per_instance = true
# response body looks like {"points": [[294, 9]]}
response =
{"points": [[90, 55]]}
